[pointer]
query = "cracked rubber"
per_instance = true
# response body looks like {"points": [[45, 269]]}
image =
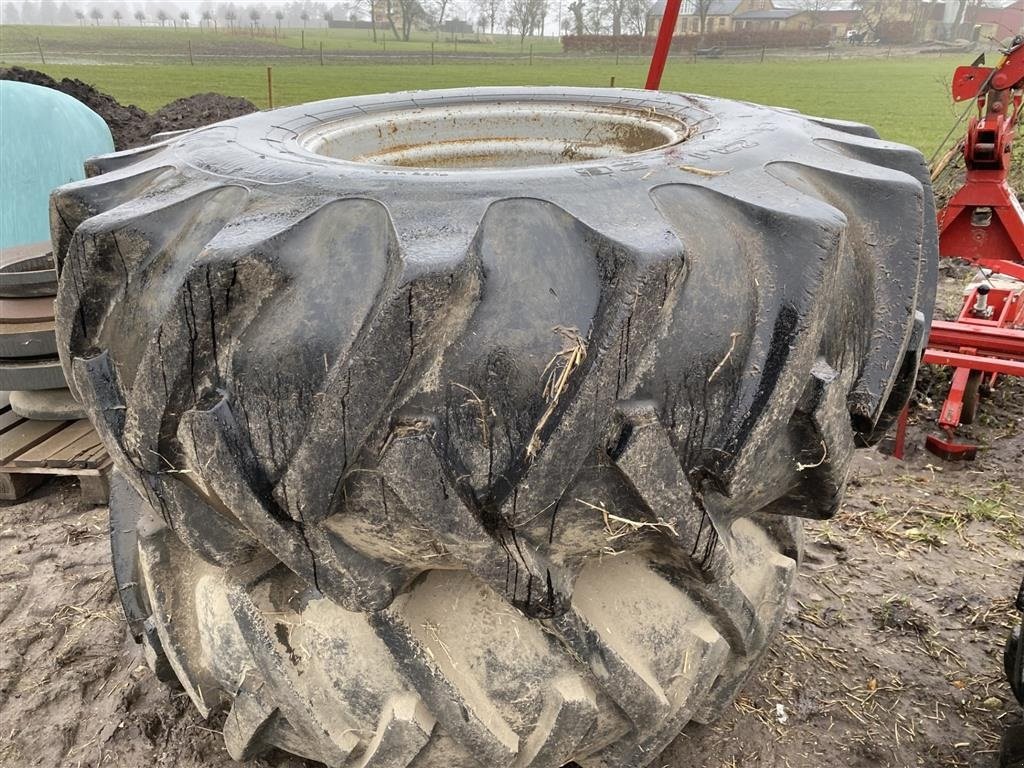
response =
{"points": [[385, 537]]}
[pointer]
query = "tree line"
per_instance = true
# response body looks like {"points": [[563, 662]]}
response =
{"points": [[396, 17]]}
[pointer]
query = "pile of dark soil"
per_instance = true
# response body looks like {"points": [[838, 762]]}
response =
{"points": [[199, 110], [130, 125]]}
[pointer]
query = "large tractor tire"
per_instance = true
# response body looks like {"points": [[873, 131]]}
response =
{"points": [[473, 427]]}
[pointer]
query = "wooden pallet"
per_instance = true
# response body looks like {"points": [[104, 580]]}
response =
{"points": [[31, 451]]}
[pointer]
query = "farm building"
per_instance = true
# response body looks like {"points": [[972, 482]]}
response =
{"points": [[759, 16], [719, 15], [998, 19]]}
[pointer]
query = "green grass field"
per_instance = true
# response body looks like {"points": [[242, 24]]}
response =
{"points": [[170, 41], [906, 98]]}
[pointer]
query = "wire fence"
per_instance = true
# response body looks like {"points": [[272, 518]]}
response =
{"points": [[325, 57]]}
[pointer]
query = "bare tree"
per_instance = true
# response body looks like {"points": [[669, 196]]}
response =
{"points": [[230, 14], [412, 11], [278, 16], [116, 15], [305, 18], [579, 24], [526, 15], [576, 9], [140, 16], [389, 14], [634, 16], [184, 16], [439, 8], [80, 15], [209, 18], [814, 10], [96, 14], [596, 19], [370, 6], [254, 17], [877, 14], [492, 10], [161, 16], [703, 7], [614, 11]]}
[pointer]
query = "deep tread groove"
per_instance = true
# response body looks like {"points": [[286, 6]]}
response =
{"points": [[403, 731], [648, 461], [412, 469], [478, 725], [248, 721], [566, 720]]}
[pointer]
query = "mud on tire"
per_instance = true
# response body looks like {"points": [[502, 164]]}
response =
{"points": [[474, 427]]}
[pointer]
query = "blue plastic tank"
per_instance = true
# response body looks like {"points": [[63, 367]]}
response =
{"points": [[45, 137]]}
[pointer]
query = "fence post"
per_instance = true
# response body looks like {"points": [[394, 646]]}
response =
{"points": [[431, 53], [321, 53], [270, 88], [616, 56], [190, 61], [612, 83], [302, 37], [531, 54], [39, 45], [763, 49]]}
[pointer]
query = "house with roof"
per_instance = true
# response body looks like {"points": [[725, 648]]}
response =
{"points": [[719, 15], [839, 16], [997, 19], [771, 19]]}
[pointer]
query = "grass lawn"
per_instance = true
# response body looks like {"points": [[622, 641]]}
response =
{"points": [[906, 99]]}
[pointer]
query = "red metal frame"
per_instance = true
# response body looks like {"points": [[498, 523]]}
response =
{"points": [[984, 224], [989, 344]]}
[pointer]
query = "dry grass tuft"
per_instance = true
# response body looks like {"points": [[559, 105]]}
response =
{"points": [[616, 527], [558, 371]]}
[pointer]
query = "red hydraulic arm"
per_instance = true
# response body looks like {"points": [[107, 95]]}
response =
{"points": [[983, 222], [663, 44]]}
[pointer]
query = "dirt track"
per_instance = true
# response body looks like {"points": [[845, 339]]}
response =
{"points": [[890, 655]]}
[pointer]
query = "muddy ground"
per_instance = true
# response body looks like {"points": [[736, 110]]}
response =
{"points": [[889, 656]]}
